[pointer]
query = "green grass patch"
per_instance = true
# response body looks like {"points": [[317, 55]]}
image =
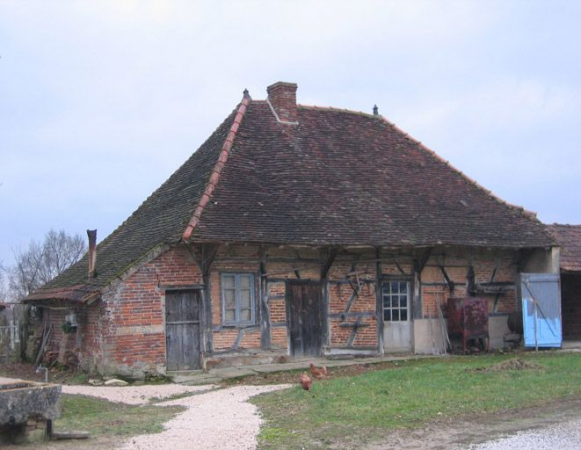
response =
{"points": [[360, 409], [101, 417]]}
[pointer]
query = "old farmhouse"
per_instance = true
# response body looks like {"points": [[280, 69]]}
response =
{"points": [[293, 230]]}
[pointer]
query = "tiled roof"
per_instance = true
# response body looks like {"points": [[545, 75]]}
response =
{"points": [[342, 178], [337, 178], [569, 238], [79, 293]]}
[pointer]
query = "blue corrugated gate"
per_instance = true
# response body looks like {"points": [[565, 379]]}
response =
{"points": [[541, 309]]}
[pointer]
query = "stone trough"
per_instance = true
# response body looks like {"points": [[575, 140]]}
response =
{"points": [[27, 407]]}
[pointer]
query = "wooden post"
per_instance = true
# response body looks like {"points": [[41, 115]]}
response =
{"points": [[378, 301], [536, 325], [49, 429], [419, 264], [204, 256], [265, 343], [332, 254]]}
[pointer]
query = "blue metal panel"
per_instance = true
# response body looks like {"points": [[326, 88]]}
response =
{"points": [[541, 309]]}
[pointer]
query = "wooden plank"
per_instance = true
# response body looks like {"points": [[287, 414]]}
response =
{"points": [[265, 343], [496, 266], [353, 335], [416, 303], [45, 339], [294, 304], [305, 315], [183, 330], [172, 287], [64, 435], [204, 255], [378, 301], [449, 282], [351, 315], [395, 261], [324, 312]]}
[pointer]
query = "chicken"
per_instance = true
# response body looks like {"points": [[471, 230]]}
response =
{"points": [[318, 373], [305, 381]]}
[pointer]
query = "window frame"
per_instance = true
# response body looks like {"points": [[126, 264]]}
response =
{"points": [[237, 322], [391, 308]]}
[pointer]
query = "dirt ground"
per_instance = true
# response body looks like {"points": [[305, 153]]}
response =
{"points": [[458, 434]]}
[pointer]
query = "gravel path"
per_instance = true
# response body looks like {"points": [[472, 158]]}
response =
{"points": [[222, 419], [563, 436], [135, 395]]}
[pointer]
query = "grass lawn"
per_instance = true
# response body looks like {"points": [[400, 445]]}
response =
{"points": [[360, 409], [100, 417]]}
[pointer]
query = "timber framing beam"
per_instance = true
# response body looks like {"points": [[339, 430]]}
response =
{"points": [[449, 282], [419, 263], [333, 251], [265, 343], [378, 301], [331, 255], [204, 255]]}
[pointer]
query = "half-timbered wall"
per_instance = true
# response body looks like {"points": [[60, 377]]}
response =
{"points": [[133, 327]]}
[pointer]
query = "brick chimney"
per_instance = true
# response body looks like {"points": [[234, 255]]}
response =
{"points": [[283, 100], [92, 234]]}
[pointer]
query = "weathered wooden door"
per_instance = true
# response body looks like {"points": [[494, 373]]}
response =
{"points": [[397, 316], [305, 317], [182, 329]]}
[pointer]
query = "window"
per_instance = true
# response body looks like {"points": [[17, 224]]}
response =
{"points": [[237, 298], [395, 296]]}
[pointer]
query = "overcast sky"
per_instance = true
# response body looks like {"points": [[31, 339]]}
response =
{"points": [[101, 101]]}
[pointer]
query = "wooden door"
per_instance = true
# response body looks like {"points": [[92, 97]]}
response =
{"points": [[182, 329], [305, 314]]}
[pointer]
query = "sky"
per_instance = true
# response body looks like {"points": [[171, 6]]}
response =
{"points": [[101, 101]]}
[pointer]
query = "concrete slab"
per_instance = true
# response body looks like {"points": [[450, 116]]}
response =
{"points": [[214, 376], [570, 345]]}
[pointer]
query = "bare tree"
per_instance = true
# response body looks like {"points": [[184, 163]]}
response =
{"points": [[3, 290], [41, 262]]}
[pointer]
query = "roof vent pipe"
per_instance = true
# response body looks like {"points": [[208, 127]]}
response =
{"points": [[92, 234]]}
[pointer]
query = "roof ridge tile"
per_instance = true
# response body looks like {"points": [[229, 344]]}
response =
{"points": [[219, 166]]}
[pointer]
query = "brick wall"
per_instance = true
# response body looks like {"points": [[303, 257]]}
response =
{"points": [[78, 348], [133, 316]]}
